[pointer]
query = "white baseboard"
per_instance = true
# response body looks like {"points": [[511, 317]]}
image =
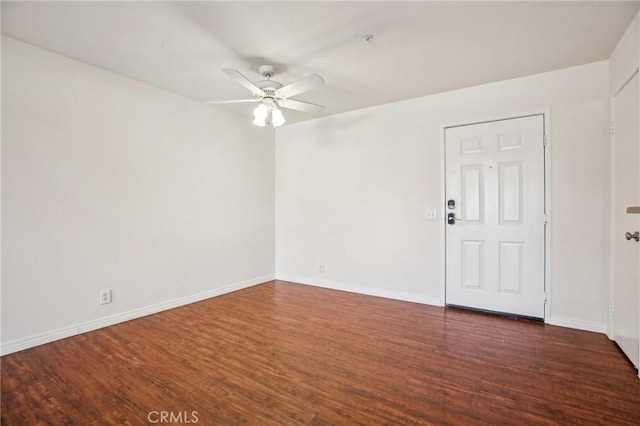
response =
{"points": [[62, 333], [596, 327], [370, 291]]}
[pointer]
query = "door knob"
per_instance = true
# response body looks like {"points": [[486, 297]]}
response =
{"points": [[634, 236], [451, 218]]}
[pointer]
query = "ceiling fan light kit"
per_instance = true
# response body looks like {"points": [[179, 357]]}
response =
{"points": [[273, 95], [267, 113]]}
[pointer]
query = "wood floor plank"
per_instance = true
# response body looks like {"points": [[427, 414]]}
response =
{"points": [[287, 354]]}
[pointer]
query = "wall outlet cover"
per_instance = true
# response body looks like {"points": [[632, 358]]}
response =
{"points": [[105, 296]]}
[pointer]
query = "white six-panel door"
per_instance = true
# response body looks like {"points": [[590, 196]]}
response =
{"points": [[495, 247]]}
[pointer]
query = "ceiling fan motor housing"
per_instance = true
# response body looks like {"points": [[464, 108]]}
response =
{"points": [[268, 86]]}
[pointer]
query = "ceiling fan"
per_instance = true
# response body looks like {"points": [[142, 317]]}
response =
{"points": [[273, 95]]}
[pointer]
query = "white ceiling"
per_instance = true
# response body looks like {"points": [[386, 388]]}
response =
{"points": [[419, 48]]}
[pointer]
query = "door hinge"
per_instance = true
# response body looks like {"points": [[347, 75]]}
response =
{"points": [[545, 139], [613, 127], [544, 296], [546, 220]]}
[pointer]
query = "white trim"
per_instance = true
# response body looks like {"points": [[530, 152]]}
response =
{"points": [[612, 199], [596, 327], [502, 117], [443, 218], [622, 86], [548, 258], [409, 297], [546, 118], [62, 333], [355, 288]]}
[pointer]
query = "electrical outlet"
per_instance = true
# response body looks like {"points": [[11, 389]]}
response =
{"points": [[105, 297], [321, 267]]}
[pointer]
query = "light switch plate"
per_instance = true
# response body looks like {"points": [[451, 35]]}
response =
{"points": [[430, 215]]}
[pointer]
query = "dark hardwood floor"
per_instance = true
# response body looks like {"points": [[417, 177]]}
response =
{"points": [[287, 354]]}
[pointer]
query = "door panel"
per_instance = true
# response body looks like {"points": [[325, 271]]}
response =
{"points": [[510, 267], [472, 264], [510, 192], [472, 184], [626, 273], [495, 245]]}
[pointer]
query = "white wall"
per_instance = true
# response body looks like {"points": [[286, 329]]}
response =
{"points": [[351, 191], [109, 183]]}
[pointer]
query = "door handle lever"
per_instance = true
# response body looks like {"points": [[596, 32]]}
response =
{"points": [[634, 236]]}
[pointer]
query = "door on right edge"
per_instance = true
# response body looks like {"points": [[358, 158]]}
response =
{"points": [[495, 212], [626, 193]]}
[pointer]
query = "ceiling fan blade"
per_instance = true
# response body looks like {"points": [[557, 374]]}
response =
{"points": [[310, 82], [235, 101], [300, 105], [244, 81]]}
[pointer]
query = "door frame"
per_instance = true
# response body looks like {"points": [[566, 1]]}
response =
{"points": [[546, 115]]}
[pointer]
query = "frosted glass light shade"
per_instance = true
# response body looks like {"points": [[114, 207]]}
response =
{"points": [[260, 115], [277, 119], [259, 122]]}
